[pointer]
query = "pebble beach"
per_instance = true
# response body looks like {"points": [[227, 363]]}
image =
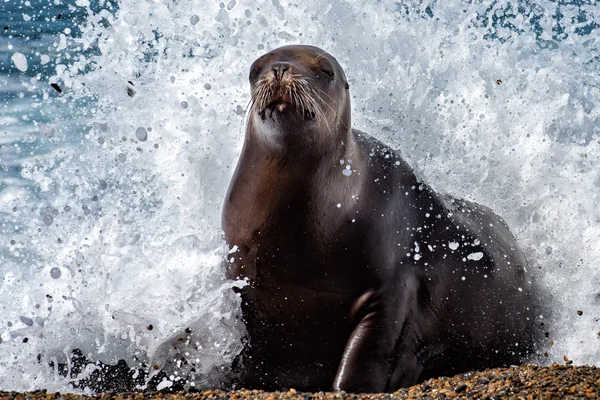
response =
{"points": [[522, 382]]}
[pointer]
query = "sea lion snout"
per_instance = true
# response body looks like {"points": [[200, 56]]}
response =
{"points": [[278, 69]]}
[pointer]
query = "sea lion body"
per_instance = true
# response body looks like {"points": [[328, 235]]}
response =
{"points": [[360, 278]]}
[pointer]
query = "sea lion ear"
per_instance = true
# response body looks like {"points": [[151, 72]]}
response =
{"points": [[347, 85]]}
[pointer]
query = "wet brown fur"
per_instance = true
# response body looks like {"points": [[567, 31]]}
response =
{"points": [[353, 284]]}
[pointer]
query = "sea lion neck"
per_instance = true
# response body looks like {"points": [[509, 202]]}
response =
{"points": [[300, 156]]}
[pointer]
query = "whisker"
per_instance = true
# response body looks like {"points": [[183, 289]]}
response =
{"points": [[331, 108], [249, 108], [302, 100], [307, 99]]}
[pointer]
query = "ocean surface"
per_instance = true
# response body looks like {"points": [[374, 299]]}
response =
{"points": [[121, 122]]}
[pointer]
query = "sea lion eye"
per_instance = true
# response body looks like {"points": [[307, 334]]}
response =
{"points": [[328, 71]]}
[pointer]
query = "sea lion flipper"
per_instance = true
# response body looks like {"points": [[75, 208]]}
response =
{"points": [[370, 358], [362, 369]]}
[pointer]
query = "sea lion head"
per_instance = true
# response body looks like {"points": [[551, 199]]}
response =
{"points": [[299, 94]]}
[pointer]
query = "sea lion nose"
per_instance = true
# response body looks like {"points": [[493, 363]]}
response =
{"points": [[278, 69]]}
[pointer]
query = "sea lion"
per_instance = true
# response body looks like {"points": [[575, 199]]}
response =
{"points": [[360, 277]]}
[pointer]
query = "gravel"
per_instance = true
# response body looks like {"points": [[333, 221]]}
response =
{"points": [[523, 382]]}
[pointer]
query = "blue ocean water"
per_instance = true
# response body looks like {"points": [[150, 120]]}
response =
{"points": [[111, 181], [29, 104]]}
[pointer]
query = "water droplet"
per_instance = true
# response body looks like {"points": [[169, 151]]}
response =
{"points": [[475, 256], [184, 104], [141, 134], [48, 219], [29, 138], [20, 61], [55, 273], [194, 19]]}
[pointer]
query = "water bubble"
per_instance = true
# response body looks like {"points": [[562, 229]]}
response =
{"points": [[141, 134], [207, 86], [184, 104], [122, 157], [194, 19]]}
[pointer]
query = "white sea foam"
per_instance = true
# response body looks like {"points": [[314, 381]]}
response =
{"points": [[128, 233]]}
